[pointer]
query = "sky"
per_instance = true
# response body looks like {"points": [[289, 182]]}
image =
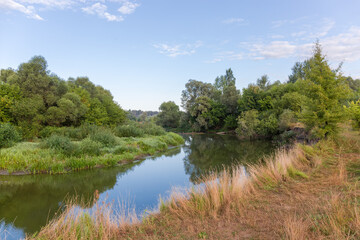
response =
{"points": [[144, 51]]}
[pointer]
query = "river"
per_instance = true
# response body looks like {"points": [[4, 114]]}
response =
{"points": [[28, 202]]}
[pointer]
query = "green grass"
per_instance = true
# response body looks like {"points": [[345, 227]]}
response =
{"points": [[60, 154]]}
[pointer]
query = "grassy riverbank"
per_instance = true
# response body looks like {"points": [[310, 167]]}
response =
{"points": [[60, 154], [304, 193]]}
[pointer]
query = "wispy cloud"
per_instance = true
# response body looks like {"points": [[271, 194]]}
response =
{"points": [[101, 11], [341, 47], [99, 8], [226, 55], [11, 5], [128, 7], [233, 20], [178, 49]]}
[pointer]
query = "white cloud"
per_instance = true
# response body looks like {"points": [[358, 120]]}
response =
{"points": [[233, 20], [50, 3], [341, 47], [128, 7], [29, 11], [178, 49], [101, 10], [344, 46], [275, 49], [94, 7]]}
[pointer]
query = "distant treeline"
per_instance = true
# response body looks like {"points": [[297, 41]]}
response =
{"points": [[139, 115], [315, 98], [31, 97]]}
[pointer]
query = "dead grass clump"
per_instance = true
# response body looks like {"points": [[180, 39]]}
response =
{"points": [[296, 228], [98, 222]]}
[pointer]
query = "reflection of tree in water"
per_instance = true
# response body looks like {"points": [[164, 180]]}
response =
{"points": [[210, 152], [29, 201], [168, 153]]}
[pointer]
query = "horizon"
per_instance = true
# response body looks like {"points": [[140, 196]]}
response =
{"points": [[145, 52]]}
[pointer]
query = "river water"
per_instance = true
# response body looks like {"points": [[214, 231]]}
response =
{"points": [[28, 202]]}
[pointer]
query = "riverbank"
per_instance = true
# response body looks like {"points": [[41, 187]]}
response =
{"points": [[308, 192], [59, 154]]}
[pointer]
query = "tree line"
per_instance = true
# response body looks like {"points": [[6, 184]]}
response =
{"points": [[315, 97], [31, 98]]}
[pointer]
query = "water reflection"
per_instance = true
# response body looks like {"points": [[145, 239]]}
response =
{"points": [[212, 152], [28, 202]]}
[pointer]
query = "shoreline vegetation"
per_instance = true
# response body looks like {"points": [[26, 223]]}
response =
{"points": [[63, 150], [307, 192]]}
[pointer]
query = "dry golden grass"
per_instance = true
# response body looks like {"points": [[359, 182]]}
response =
{"points": [[302, 193]]}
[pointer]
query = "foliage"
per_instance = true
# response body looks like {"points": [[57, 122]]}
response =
{"points": [[313, 96], [353, 111], [248, 123], [58, 154], [286, 119], [169, 115], [32, 98], [103, 136], [325, 90], [8, 135], [90, 147], [130, 130], [61, 144]]}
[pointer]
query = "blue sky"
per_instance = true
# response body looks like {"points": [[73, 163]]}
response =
{"points": [[144, 51]]}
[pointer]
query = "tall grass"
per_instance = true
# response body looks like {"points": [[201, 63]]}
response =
{"points": [[100, 222], [59, 154]]}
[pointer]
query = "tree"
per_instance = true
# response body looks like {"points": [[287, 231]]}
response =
{"points": [[325, 89], [250, 98], [263, 82], [199, 113], [223, 81], [298, 71], [169, 115], [193, 90], [248, 123], [229, 98], [9, 94]]}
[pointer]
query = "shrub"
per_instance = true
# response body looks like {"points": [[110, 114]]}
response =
{"points": [[61, 144], [248, 123], [230, 122], [90, 147], [268, 126], [128, 131], [286, 118], [104, 137], [125, 149], [151, 145], [172, 139], [48, 131], [152, 129], [8, 135]]}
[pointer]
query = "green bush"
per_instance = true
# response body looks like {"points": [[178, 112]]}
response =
{"points": [[90, 147], [8, 135], [128, 131], [172, 139], [104, 137], [48, 131], [152, 129], [286, 118], [125, 149], [61, 144], [152, 145]]}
